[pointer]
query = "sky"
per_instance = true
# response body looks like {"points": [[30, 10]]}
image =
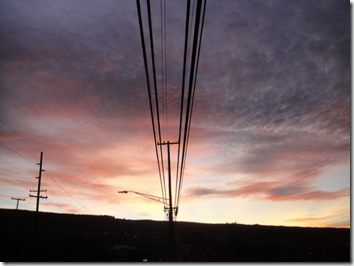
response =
{"points": [[270, 133]]}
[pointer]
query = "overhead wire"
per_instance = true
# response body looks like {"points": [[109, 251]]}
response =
{"points": [[188, 86], [194, 86], [12, 165], [5, 124], [150, 97], [191, 78], [182, 93], [163, 65], [62, 188], [199, 25], [4, 145], [163, 85], [190, 14], [152, 51]]}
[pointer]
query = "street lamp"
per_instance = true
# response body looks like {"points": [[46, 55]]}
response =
{"points": [[158, 199], [152, 197]]}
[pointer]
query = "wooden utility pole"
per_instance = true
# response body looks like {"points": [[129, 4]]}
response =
{"points": [[170, 211], [170, 216], [38, 196], [18, 199]]}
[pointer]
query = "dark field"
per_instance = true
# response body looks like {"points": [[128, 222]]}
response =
{"points": [[87, 238]]}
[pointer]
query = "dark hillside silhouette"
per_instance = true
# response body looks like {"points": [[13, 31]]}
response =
{"points": [[86, 238]]}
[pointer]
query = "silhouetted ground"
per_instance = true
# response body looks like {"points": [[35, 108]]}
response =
{"points": [[88, 238]]}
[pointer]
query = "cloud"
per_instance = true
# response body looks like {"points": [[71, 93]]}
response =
{"points": [[335, 220], [14, 182], [272, 98], [272, 191], [278, 104], [98, 68], [275, 75], [68, 208]]}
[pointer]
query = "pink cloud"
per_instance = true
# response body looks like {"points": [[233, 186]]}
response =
{"points": [[67, 208], [324, 221], [273, 191]]}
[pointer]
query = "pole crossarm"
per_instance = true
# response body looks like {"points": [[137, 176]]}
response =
{"points": [[152, 197], [40, 196], [18, 199], [167, 143]]}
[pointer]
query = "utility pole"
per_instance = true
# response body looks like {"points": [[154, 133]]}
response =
{"points": [[39, 185], [170, 212], [18, 199], [38, 196]]}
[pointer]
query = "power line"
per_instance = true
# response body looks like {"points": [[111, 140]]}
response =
{"points": [[183, 88], [198, 29], [19, 169], [163, 63], [62, 188], [150, 96], [152, 51], [163, 85], [12, 150], [194, 24], [16, 132]]}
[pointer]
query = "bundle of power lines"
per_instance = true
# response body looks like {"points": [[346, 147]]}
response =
{"points": [[160, 93]]}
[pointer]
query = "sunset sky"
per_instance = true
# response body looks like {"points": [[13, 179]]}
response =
{"points": [[270, 134]]}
